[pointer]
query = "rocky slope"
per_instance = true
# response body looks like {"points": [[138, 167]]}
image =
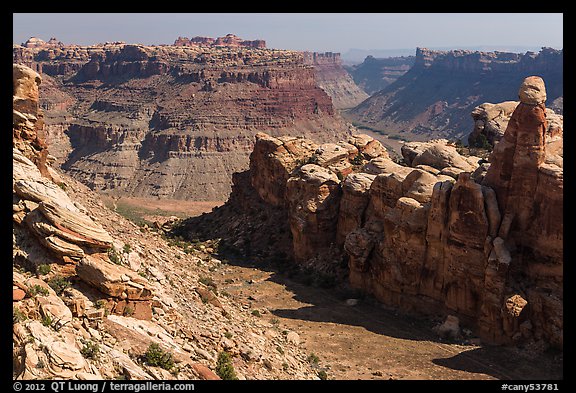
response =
{"points": [[479, 242], [435, 97], [92, 292], [333, 78], [173, 121], [374, 74]]}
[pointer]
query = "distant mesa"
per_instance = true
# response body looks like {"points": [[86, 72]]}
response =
{"points": [[228, 40], [34, 42]]}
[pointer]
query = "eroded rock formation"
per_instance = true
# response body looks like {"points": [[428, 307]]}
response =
{"points": [[227, 40], [374, 74], [435, 97], [432, 237], [133, 114], [333, 78], [92, 292]]}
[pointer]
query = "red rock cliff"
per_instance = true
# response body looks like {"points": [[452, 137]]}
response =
{"points": [[431, 238]]}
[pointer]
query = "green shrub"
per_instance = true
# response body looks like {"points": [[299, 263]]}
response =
{"points": [[156, 356], [127, 248], [224, 367], [207, 281], [256, 313], [128, 311], [322, 375], [38, 290], [59, 284], [114, 257], [313, 359], [18, 316], [42, 270], [100, 303], [90, 350], [358, 159], [47, 320]]}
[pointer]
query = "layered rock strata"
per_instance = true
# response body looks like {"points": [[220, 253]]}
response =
{"points": [[435, 97], [141, 120], [333, 78], [42, 208], [92, 292], [374, 74], [434, 237]]}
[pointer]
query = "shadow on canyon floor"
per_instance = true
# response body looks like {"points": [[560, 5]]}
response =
{"points": [[327, 305]]}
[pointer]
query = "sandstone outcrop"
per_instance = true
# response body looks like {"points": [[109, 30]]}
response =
{"points": [[491, 120], [92, 292], [440, 90], [187, 111], [431, 237]]}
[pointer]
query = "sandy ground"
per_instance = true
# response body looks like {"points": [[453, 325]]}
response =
{"points": [[368, 341], [151, 209], [363, 341]]}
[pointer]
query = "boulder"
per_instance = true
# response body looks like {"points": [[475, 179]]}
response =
{"points": [[109, 278]]}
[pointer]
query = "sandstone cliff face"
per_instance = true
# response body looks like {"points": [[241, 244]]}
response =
{"points": [[92, 291], [374, 74], [435, 97], [333, 78], [134, 114], [432, 238]]}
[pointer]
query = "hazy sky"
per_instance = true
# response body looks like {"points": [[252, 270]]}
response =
{"points": [[337, 32]]}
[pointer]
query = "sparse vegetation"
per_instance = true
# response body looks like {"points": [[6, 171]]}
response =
{"points": [[18, 316], [36, 290], [228, 335], [114, 256], [59, 284], [256, 313], [358, 159], [224, 367], [322, 375], [128, 311], [313, 359], [90, 350], [157, 357], [42, 270], [100, 303], [209, 282], [127, 248], [47, 320]]}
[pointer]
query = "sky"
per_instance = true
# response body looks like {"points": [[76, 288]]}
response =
{"points": [[321, 32]]}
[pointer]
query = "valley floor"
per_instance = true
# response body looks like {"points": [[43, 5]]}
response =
{"points": [[367, 341], [362, 341]]}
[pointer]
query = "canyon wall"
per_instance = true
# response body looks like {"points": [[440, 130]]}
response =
{"points": [[374, 74], [173, 121], [445, 235], [333, 78], [92, 295], [435, 97]]}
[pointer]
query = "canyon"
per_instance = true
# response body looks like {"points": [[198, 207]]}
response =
{"points": [[97, 297], [121, 117], [93, 292], [374, 74], [324, 232], [434, 98], [476, 241]]}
